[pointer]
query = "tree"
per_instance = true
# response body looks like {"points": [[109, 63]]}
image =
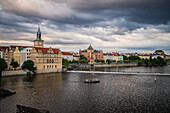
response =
{"points": [[14, 64], [3, 66], [65, 62], [146, 61], [125, 57], [134, 58], [82, 57], [150, 58], [139, 62], [29, 65], [109, 61]]}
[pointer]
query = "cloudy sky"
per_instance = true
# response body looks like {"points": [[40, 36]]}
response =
{"points": [[111, 25]]}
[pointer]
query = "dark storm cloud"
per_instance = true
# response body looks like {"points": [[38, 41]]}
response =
{"points": [[74, 11], [108, 23], [66, 43]]}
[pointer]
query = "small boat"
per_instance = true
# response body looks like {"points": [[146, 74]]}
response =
{"points": [[92, 81]]}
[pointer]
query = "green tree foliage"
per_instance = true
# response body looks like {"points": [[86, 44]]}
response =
{"points": [[29, 64], [134, 58], [125, 58], [65, 62], [3, 64], [82, 57], [140, 62], [99, 60], [14, 64], [109, 61]]}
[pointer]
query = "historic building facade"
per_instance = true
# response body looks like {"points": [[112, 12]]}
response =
{"points": [[91, 54], [160, 53], [45, 59]]}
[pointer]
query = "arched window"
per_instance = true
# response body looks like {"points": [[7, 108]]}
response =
{"points": [[44, 66], [47, 60], [52, 60]]}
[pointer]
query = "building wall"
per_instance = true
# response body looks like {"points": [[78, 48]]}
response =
{"points": [[37, 43], [105, 57], [25, 55], [17, 55], [76, 58], [1, 54], [46, 63], [120, 58], [92, 54], [5, 55], [144, 57]]}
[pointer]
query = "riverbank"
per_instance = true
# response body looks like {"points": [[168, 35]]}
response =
{"points": [[103, 65]]}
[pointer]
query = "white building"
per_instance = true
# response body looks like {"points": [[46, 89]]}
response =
{"points": [[25, 55], [108, 56], [76, 57], [1, 54]]}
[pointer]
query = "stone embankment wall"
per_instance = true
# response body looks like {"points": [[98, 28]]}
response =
{"points": [[105, 65], [13, 73]]}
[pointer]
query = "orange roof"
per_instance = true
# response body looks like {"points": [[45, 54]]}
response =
{"points": [[75, 55], [144, 55], [66, 53], [44, 50], [110, 54]]}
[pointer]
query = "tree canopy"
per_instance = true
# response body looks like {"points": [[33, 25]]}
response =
{"points": [[14, 64], [29, 64], [3, 64], [65, 62]]}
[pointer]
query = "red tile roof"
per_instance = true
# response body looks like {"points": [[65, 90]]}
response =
{"points": [[66, 53], [75, 55], [110, 54], [44, 50]]}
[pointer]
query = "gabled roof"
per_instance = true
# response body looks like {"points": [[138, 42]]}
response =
{"points": [[90, 48], [44, 50]]}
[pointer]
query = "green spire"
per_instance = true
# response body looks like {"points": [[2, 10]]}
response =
{"points": [[39, 34]]}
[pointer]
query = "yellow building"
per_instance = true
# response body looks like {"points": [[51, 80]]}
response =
{"points": [[160, 53], [144, 56], [45, 59], [17, 55]]}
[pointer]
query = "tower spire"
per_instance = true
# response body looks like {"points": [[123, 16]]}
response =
{"points": [[38, 33]]}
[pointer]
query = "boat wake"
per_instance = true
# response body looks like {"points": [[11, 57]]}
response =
{"points": [[120, 73]]}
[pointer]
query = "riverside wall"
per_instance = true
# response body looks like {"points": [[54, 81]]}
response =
{"points": [[13, 73], [105, 65]]}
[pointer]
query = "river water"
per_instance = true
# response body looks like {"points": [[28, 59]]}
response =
{"points": [[123, 89]]}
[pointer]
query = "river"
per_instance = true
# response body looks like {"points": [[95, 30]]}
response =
{"points": [[122, 89]]}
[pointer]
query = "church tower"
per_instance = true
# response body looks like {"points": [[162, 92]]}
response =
{"points": [[38, 42]]}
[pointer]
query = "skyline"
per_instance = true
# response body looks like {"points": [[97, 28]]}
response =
{"points": [[111, 25]]}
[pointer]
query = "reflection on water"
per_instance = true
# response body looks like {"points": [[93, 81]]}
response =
{"points": [[67, 92]]}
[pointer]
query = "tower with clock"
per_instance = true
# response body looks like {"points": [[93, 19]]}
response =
{"points": [[38, 42]]}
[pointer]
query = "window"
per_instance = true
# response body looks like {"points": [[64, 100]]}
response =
{"points": [[56, 60], [44, 66], [44, 60], [52, 60], [39, 60], [55, 66], [52, 66], [47, 66]]}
